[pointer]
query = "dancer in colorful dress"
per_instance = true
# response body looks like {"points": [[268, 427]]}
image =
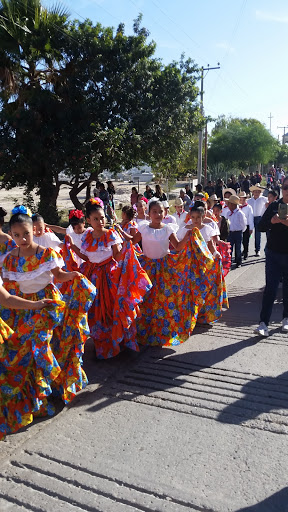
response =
{"points": [[141, 216], [187, 286], [16, 399], [128, 223], [120, 281], [42, 235], [6, 242], [52, 343], [76, 230]]}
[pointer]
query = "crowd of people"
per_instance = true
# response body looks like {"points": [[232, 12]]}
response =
{"points": [[146, 278]]}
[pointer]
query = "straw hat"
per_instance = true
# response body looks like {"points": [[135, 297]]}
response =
{"points": [[178, 202], [165, 204], [230, 190], [242, 194], [233, 199], [256, 187], [213, 198]]}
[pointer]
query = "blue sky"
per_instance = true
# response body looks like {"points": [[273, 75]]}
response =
{"points": [[247, 37]]}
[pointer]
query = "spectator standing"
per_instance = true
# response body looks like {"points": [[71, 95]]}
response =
{"points": [[111, 192], [189, 191], [219, 188], [180, 214], [209, 189], [148, 192], [252, 179], [160, 194], [257, 202], [258, 177], [248, 212], [134, 196], [276, 262], [235, 185], [96, 190], [246, 184], [186, 200]]}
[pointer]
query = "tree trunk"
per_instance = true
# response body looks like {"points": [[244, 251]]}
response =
{"points": [[48, 194]]}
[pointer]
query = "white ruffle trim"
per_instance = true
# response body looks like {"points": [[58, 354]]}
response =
{"points": [[33, 274]]}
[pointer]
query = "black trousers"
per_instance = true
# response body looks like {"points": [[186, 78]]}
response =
{"points": [[245, 241]]}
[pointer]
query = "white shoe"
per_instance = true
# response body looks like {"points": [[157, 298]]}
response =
{"points": [[262, 329], [285, 325]]}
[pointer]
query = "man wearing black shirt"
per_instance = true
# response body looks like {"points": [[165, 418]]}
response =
{"points": [[276, 262]]}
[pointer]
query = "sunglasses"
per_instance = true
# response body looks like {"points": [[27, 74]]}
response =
{"points": [[285, 187]]}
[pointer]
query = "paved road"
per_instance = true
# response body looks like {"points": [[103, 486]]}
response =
{"points": [[199, 428]]}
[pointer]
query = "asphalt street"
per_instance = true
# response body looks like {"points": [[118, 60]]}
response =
{"points": [[201, 427]]}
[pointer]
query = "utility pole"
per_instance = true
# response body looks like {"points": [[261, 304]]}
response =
{"points": [[284, 130], [270, 117], [200, 134]]}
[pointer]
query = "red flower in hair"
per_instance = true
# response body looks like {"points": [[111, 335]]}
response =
{"points": [[76, 213]]}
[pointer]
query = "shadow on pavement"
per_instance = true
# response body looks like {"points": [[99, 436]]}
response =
{"points": [[245, 309], [278, 502], [205, 359], [274, 390]]}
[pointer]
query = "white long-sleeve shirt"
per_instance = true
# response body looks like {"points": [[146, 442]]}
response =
{"points": [[237, 220], [180, 218], [258, 205], [248, 212]]}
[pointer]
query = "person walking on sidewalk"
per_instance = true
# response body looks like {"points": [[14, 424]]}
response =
{"points": [[257, 202], [276, 261], [238, 224], [248, 212]]}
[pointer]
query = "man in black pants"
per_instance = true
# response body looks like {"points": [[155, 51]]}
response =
{"points": [[276, 262]]}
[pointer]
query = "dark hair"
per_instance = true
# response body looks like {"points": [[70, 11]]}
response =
{"points": [[273, 193], [218, 205], [155, 203], [199, 204], [37, 217], [129, 211], [199, 187], [75, 220], [20, 218], [134, 189], [198, 209], [2, 215], [92, 207], [285, 179]]}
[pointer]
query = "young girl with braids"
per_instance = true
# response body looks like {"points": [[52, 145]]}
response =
{"points": [[6, 241], [52, 355], [120, 282]]}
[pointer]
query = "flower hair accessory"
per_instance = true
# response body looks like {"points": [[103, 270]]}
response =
{"points": [[21, 209], [76, 213], [96, 200]]}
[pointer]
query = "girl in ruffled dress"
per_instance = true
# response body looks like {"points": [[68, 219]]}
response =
{"points": [[182, 283], [6, 242], [52, 354], [76, 230], [141, 215], [43, 236], [18, 398], [120, 282]]}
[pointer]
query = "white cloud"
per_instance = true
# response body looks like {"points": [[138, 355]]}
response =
{"points": [[269, 16]]}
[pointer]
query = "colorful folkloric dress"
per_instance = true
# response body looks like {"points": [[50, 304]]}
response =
{"points": [[187, 287], [6, 247], [120, 289], [42, 350]]}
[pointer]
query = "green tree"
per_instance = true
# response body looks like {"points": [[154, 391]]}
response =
{"points": [[239, 143], [78, 99]]}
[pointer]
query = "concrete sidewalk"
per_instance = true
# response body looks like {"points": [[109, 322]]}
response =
{"points": [[202, 427]]}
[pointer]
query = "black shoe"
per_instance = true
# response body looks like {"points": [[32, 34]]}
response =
{"points": [[238, 265], [245, 256], [257, 254]]}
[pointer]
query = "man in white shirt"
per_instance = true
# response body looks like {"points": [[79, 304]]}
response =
{"points": [[180, 214], [248, 212], [227, 192], [238, 224], [257, 202]]}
